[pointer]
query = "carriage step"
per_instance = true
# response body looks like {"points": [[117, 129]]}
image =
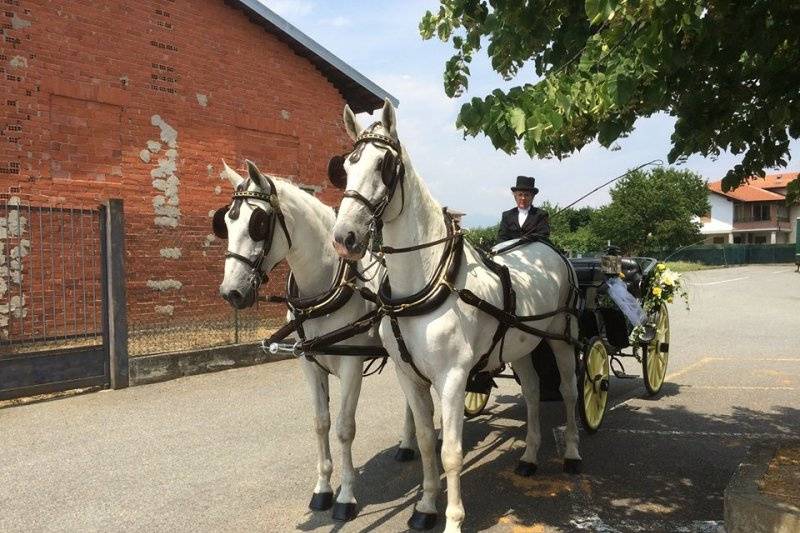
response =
{"points": [[621, 374]]}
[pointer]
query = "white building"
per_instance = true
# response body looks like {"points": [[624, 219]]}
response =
{"points": [[754, 213]]}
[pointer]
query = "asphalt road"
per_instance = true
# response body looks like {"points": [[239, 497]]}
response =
{"points": [[234, 451]]}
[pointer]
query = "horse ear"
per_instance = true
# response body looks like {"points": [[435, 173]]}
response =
{"points": [[232, 175], [388, 118], [351, 125]]}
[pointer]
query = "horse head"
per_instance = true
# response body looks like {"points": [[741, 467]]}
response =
{"points": [[249, 225], [370, 174]]}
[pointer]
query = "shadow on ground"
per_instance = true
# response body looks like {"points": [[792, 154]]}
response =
{"points": [[660, 465]]}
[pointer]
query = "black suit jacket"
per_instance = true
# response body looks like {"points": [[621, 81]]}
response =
{"points": [[537, 222]]}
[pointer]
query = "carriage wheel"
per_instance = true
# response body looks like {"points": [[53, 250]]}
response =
{"points": [[656, 356], [593, 384], [474, 403]]}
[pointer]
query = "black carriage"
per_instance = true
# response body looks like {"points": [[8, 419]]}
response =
{"points": [[604, 336]]}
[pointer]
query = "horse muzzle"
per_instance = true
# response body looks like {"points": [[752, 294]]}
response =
{"points": [[238, 299], [348, 246]]}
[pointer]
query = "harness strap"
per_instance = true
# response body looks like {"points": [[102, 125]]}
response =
{"points": [[390, 250], [405, 355]]}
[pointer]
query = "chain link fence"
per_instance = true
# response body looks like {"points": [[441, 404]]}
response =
{"points": [[174, 272]]}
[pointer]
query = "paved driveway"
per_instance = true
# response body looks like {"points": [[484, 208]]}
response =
{"points": [[234, 451]]}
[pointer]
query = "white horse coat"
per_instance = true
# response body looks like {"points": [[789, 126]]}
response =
{"points": [[447, 342], [314, 265]]}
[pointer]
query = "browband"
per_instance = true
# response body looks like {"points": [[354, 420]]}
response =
{"points": [[385, 139]]}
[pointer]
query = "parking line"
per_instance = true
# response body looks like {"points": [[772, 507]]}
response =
{"points": [[718, 282], [671, 377], [782, 271], [721, 387]]}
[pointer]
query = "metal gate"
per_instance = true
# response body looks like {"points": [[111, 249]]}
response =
{"points": [[53, 298]]}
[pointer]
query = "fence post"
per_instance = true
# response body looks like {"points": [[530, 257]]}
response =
{"points": [[114, 263]]}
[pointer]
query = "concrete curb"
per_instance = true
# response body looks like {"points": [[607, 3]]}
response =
{"points": [[163, 367], [747, 510]]}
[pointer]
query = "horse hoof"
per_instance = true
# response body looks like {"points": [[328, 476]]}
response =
{"points": [[525, 469], [344, 512], [404, 455], [420, 521], [572, 466], [321, 501]]}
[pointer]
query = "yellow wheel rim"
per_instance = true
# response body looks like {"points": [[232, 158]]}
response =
{"points": [[474, 402], [656, 358], [594, 395]]}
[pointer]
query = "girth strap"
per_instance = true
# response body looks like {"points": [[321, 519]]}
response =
{"points": [[405, 355]]}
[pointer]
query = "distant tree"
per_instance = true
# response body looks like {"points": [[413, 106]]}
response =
{"points": [[729, 72], [653, 210], [570, 228], [482, 237]]}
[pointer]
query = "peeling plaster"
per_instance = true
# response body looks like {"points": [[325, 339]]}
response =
{"points": [[144, 155], [217, 190], [18, 23], [285, 114], [210, 238], [171, 253], [19, 62], [165, 309], [11, 266], [164, 285], [202, 99], [169, 134], [164, 178], [210, 169]]}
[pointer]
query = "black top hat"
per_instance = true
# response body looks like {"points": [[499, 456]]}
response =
{"points": [[525, 183]]}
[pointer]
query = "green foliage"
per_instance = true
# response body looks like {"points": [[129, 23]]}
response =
{"points": [[483, 238], [570, 228], [653, 210], [728, 71]]}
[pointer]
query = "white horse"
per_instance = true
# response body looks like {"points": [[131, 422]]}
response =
{"points": [[445, 343], [265, 216]]}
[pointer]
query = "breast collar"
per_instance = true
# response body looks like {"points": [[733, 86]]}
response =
{"points": [[441, 283], [339, 293]]}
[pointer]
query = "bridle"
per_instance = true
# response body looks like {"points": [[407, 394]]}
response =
{"points": [[390, 166], [260, 228]]}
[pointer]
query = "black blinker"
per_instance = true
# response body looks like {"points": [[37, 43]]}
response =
{"points": [[218, 223], [259, 224], [336, 173], [388, 169]]}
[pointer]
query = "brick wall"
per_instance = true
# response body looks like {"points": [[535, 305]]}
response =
{"points": [[140, 101]]}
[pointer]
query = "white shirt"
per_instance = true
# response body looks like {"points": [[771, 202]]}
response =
{"points": [[523, 214]]}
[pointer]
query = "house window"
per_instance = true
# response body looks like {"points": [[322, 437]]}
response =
{"points": [[760, 239], [737, 239], [783, 213], [719, 240], [751, 212], [760, 211]]}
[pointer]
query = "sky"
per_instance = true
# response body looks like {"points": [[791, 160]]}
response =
{"points": [[381, 40]]}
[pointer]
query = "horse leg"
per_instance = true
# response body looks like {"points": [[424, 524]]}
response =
{"points": [[405, 452], [452, 398], [350, 370], [418, 396], [565, 359], [317, 381], [529, 381]]}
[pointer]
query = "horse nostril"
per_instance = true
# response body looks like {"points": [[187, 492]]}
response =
{"points": [[235, 297], [350, 241]]}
